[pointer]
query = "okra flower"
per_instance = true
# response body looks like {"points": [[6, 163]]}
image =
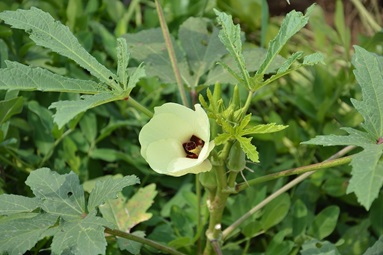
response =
{"points": [[176, 140]]}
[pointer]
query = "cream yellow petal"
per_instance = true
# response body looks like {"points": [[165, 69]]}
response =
{"points": [[163, 136], [176, 109], [182, 166], [207, 148], [164, 126], [162, 152], [197, 119], [201, 125]]}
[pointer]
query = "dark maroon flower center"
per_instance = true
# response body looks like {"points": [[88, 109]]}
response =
{"points": [[193, 147]]}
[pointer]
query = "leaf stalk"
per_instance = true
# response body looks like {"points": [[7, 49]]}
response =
{"points": [[294, 171], [151, 243], [139, 107]]}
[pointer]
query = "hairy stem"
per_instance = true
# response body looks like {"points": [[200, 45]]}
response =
{"points": [[199, 208], [214, 231], [142, 240], [216, 204], [294, 171]]}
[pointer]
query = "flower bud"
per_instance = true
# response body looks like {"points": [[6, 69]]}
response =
{"points": [[237, 158]]}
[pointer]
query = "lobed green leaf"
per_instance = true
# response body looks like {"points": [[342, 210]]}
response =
{"points": [[367, 169], [47, 32], [356, 137], [262, 129], [230, 36], [61, 195], [293, 22], [108, 189], [127, 214], [11, 204], [287, 64], [249, 149], [139, 203], [122, 61], [227, 69], [134, 78], [313, 59], [367, 174], [222, 138], [19, 235], [17, 76], [242, 125], [80, 237], [369, 74], [67, 110]]}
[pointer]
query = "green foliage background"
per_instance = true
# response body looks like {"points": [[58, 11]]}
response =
{"points": [[103, 141]]}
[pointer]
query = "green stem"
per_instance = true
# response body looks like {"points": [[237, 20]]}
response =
{"points": [[283, 189], [294, 171], [199, 208], [244, 109], [172, 55], [248, 102], [142, 240], [139, 107], [216, 204], [231, 180], [214, 231]]}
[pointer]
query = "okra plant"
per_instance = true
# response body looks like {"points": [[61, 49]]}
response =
{"points": [[202, 134]]}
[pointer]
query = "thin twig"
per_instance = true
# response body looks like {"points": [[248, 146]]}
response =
{"points": [[294, 171], [151, 243], [286, 187], [172, 55]]}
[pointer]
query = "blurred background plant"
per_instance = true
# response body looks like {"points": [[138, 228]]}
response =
{"points": [[104, 140]]}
